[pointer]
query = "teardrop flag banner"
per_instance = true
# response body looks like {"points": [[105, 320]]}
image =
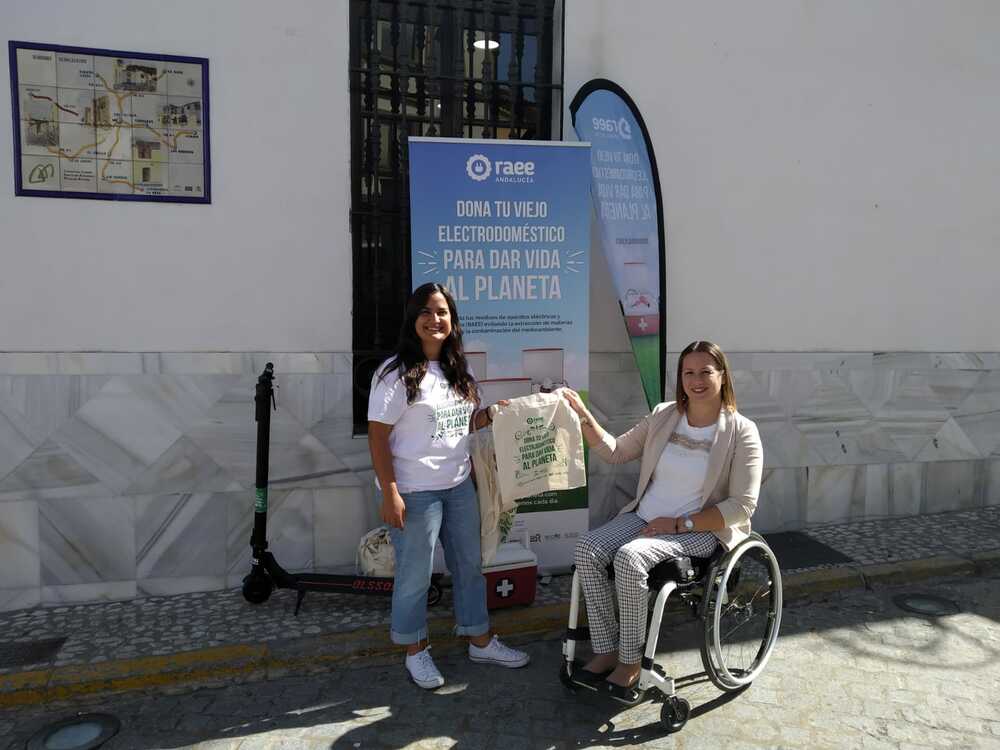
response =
{"points": [[625, 186]]}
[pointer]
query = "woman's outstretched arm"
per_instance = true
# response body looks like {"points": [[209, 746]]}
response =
{"points": [[615, 450]]}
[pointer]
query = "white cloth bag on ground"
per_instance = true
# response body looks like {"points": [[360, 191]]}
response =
{"points": [[376, 556], [539, 446], [496, 514]]}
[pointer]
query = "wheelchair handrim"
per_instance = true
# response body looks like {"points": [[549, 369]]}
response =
{"points": [[767, 645]]}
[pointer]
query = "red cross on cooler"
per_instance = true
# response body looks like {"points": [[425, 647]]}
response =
{"points": [[512, 577]]}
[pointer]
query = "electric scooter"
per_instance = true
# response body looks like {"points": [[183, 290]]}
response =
{"points": [[265, 572]]}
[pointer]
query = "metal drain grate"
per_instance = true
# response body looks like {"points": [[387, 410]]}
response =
{"points": [[20, 653]]}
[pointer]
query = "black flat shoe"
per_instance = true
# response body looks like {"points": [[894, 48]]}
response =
{"points": [[630, 695], [590, 680]]}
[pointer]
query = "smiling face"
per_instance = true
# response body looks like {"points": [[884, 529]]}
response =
{"points": [[433, 324], [702, 378]]}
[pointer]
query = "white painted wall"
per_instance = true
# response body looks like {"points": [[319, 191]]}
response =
{"points": [[830, 170], [266, 265]]}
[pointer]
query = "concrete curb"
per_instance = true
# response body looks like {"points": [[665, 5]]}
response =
{"points": [[367, 646]]}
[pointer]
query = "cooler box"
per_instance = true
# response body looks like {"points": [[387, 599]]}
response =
{"points": [[512, 577]]}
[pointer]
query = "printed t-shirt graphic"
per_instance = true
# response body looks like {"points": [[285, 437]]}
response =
{"points": [[429, 437]]}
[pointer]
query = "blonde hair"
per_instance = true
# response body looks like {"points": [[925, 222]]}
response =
{"points": [[706, 347]]}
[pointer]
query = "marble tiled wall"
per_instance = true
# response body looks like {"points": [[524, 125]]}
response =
{"points": [[125, 475], [846, 435]]}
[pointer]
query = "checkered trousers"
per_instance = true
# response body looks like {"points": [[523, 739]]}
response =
{"points": [[634, 557]]}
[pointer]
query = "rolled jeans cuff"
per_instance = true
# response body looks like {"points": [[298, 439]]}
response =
{"points": [[408, 639], [473, 630]]}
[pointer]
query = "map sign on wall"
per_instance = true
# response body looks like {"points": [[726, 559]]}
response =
{"points": [[93, 123]]}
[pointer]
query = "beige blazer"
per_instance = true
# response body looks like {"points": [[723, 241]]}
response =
{"points": [[732, 481]]}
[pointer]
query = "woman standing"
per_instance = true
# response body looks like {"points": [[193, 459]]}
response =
{"points": [[423, 401], [698, 486]]}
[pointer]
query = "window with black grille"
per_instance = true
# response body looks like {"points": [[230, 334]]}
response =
{"points": [[449, 68]]}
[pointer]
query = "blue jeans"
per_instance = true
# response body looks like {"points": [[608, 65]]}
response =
{"points": [[452, 514]]}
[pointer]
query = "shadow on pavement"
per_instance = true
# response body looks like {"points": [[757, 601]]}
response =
{"points": [[486, 707]]}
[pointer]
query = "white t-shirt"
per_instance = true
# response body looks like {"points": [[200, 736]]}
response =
{"points": [[429, 438], [675, 489]]}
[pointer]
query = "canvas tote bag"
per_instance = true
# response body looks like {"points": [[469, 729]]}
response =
{"points": [[496, 515], [539, 446]]}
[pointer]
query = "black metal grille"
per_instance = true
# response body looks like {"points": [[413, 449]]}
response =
{"points": [[416, 69]]}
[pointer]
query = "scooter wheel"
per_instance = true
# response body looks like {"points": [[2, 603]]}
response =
{"points": [[257, 588], [434, 594], [674, 714]]}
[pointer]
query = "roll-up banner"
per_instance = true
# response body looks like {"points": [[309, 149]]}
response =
{"points": [[505, 225], [629, 209]]}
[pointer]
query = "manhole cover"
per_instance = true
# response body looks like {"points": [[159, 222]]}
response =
{"points": [[926, 605], [20, 653], [82, 732]]}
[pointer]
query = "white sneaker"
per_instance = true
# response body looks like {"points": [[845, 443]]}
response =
{"points": [[422, 670], [495, 652]]}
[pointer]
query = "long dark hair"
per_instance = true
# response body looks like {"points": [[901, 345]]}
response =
{"points": [[410, 359], [706, 347]]}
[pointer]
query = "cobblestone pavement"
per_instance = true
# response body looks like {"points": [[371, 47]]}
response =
{"points": [[851, 670], [158, 626]]}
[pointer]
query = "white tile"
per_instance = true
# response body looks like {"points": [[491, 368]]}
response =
{"points": [[107, 591], [180, 535], [306, 463], [13, 599], [20, 564], [992, 483], [100, 363], [906, 487], [51, 472], [86, 541], [133, 422], [876, 491], [791, 388], [782, 501], [754, 399], [950, 443], [16, 439], [310, 397], [903, 360], [951, 485], [812, 360], [836, 493], [185, 467], [183, 585], [43, 403], [289, 530], [191, 363], [342, 516], [959, 361], [785, 446], [29, 363], [289, 363], [228, 434], [619, 394]]}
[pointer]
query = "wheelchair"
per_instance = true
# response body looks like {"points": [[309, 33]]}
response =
{"points": [[736, 595]]}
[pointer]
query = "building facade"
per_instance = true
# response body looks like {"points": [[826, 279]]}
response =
{"points": [[828, 174]]}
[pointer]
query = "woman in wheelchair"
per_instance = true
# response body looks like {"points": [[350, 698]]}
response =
{"points": [[698, 484]]}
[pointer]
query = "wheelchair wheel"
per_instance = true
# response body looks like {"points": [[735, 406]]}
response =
{"points": [[742, 614], [674, 714]]}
